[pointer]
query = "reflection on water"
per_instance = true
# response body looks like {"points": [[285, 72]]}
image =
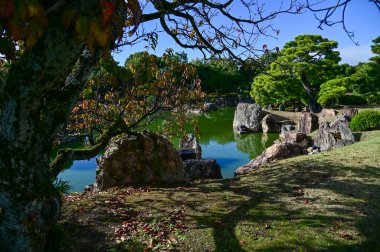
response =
{"points": [[254, 144], [218, 142]]}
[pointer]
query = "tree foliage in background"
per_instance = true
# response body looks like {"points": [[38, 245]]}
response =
{"points": [[366, 79], [224, 76], [302, 66], [356, 85], [219, 75], [137, 94]]}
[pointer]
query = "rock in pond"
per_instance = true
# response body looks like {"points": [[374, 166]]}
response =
{"points": [[248, 118], [202, 169], [139, 159], [270, 124], [189, 148]]}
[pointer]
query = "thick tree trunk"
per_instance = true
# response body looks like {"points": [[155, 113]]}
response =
{"points": [[314, 106], [35, 101]]}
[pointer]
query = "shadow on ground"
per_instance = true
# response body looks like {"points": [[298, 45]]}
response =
{"points": [[295, 205]]}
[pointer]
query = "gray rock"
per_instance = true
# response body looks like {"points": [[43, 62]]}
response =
{"points": [[202, 169], [142, 159], [346, 132], [190, 143], [340, 128], [187, 154], [277, 151], [248, 117], [287, 127], [350, 112], [208, 106], [296, 137], [324, 140], [332, 136], [328, 112], [270, 124], [308, 122]]}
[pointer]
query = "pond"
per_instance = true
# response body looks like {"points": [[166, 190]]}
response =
{"points": [[217, 139]]}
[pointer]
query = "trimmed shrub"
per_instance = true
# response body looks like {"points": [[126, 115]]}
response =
{"points": [[366, 120], [352, 100]]}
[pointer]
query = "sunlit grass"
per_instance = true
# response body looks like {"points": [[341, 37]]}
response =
{"points": [[329, 201]]}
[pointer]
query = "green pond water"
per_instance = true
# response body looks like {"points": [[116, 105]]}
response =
{"points": [[217, 139]]}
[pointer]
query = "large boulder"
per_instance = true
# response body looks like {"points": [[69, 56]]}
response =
{"points": [[189, 144], [324, 140], [340, 128], [202, 169], [248, 118], [270, 124], [308, 122], [332, 136], [139, 159], [279, 150]]}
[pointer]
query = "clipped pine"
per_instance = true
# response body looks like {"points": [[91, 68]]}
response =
{"points": [[366, 120]]}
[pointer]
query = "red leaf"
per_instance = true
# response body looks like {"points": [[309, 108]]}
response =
{"points": [[108, 11]]}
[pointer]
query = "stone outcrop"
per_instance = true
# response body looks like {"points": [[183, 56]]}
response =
{"points": [[287, 127], [350, 112], [248, 118], [328, 112], [296, 137], [332, 136], [188, 145], [202, 169], [139, 159], [308, 122], [274, 123], [279, 150], [270, 124]]}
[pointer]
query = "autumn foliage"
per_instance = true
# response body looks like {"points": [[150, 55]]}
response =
{"points": [[138, 93]]}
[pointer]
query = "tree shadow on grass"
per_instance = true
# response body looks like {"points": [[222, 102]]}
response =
{"points": [[325, 199], [267, 208]]}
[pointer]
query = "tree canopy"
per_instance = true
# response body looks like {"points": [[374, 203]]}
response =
{"points": [[355, 85], [302, 66]]}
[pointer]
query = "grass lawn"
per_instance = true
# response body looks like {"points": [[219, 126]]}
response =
{"points": [[329, 201]]}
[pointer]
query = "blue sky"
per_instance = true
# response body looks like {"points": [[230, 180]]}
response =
{"points": [[362, 17]]}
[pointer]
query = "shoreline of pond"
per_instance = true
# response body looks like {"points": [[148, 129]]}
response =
{"points": [[217, 139]]}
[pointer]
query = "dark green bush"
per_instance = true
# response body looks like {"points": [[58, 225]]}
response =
{"points": [[366, 120], [352, 100]]}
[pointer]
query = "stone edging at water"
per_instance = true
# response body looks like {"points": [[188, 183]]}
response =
{"points": [[294, 142]]}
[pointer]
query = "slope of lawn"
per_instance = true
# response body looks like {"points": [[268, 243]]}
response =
{"points": [[328, 201]]}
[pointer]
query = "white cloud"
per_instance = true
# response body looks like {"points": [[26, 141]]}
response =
{"points": [[354, 54]]}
